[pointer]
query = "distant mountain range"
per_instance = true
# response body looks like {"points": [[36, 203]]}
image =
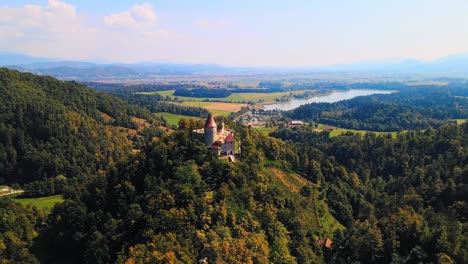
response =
{"points": [[81, 70], [449, 64]]}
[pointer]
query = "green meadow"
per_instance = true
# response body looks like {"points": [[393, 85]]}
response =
{"points": [[235, 97], [41, 202], [172, 119], [460, 121], [338, 131]]}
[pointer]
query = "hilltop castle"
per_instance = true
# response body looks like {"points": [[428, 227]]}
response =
{"points": [[221, 142]]}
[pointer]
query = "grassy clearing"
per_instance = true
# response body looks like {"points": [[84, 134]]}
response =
{"points": [[460, 121], [338, 131], [290, 184], [266, 97], [41, 202], [216, 108], [255, 97], [266, 130], [329, 223], [163, 93], [195, 104], [316, 214], [292, 181], [220, 113], [172, 119]]}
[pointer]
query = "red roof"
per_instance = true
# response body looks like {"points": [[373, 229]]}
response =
{"points": [[326, 243], [229, 138], [210, 122], [215, 146]]}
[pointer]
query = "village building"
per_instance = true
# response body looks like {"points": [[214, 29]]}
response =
{"points": [[325, 243], [221, 142], [295, 123]]}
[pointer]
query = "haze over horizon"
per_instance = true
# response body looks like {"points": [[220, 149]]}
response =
{"points": [[264, 33]]}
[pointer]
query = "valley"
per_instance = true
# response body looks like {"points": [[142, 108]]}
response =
{"points": [[128, 164], [243, 132]]}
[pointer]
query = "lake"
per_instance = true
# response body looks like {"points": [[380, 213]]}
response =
{"points": [[329, 98]]}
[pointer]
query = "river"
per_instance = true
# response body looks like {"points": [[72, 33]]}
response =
{"points": [[335, 96]]}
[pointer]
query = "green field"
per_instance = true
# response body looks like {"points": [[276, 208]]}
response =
{"points": [[235, 97], [255, 97], [41, 202], [172, 119], [220, 113], [216, 108], [317, 216], [195, 104], [338, 131], [460, 121], [266, 130]]}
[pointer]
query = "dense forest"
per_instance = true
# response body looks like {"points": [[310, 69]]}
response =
{"points": [[176, 202], [154, 103], [402, 199], [157, 103], [165, 198], [409, 108], [50, 128]]}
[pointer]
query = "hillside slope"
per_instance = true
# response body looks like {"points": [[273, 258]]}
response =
{"points": [[50, 127], [176, 202]]}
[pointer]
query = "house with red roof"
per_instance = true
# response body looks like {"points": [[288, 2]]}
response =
{"points": [[325, 243]]}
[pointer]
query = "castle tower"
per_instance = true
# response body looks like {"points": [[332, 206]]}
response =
{"points": [[222, 128], [210, 129]]}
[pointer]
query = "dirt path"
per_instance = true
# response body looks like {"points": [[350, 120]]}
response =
{"points": [[9, 191]]}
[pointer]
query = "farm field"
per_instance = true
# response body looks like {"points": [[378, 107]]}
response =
{"points": [[224, 106], [41, 202], [172, 119], [227, 107], [235, 97], [216, 108]]}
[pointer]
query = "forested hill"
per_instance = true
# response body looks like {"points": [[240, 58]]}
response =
{"points": [[380, 199], [410, 108], [50, 127], [175, 202], [402, 199]]}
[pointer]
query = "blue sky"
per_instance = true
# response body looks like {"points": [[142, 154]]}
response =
{"points": [[241, 33]]}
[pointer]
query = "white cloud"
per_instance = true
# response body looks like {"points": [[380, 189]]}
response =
{"points": [[137, 16], [58, 30], [55, 17]]}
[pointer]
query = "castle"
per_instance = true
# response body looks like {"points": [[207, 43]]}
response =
{"points": [[221, 142]]}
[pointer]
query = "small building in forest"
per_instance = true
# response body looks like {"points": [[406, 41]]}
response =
{"points": [[325, 243]]}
